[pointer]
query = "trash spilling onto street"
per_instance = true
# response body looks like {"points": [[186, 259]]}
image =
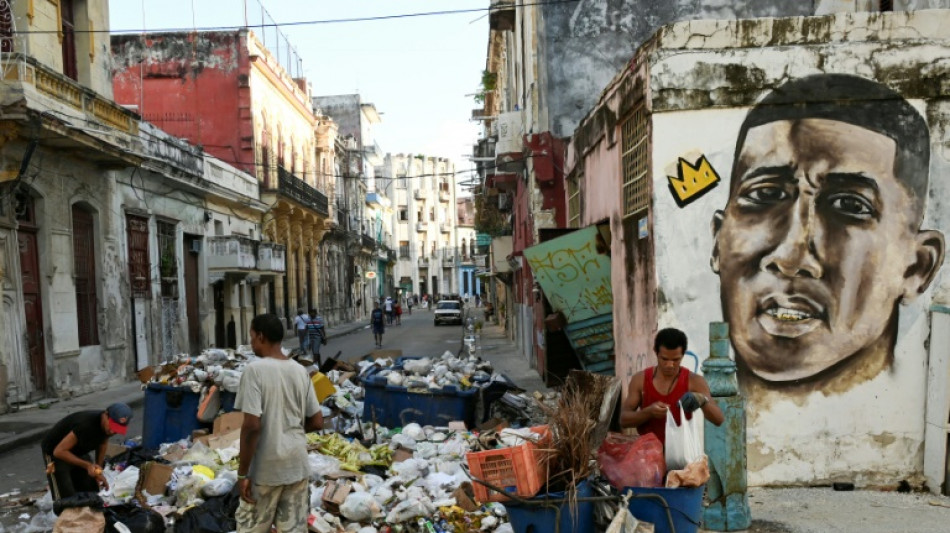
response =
{"points": [[433, 445]]}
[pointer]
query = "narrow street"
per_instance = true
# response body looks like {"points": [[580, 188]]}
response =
{"points": [[23, 476]]}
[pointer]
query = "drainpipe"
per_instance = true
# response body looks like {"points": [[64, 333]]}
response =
{"points": [[725, 445]]}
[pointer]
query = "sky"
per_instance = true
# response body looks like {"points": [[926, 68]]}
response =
{"points": [[420, 72]]}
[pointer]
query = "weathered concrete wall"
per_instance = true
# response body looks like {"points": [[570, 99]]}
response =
{"points": [[191, 86], [71, 369], [587, 42], [38, 27], [835, 370]]}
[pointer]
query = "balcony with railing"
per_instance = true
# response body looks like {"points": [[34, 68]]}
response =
{"points": [[445, 227], [271, 257], [444, 196], [290, 186], [422, 225], [237, 253], [368, 242], [423, 261], [448, 256], [419, 194]]}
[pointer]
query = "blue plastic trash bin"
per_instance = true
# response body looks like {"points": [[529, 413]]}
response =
{"points": [[539, 519], [686, 507]]}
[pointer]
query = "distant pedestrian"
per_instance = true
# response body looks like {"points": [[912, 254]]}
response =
{"points": [[378, 324], [280, 407], [478, 301], [409, 304], [397, 312], [388, 305], [300, 324], [316, 334], [66, 448]]}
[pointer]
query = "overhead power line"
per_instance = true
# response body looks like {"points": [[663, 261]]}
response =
{"points": [[374, 18]]}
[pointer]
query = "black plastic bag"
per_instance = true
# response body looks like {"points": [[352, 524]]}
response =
{"points": [[135, 518], [80, 499], [215, 515]]}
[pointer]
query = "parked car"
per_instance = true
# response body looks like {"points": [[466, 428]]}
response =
{"points": [[448, 311]]}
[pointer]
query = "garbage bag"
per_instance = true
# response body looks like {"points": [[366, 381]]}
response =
{"points": [[134, 518], [216, 515], [80, 520], [80, 499], [632, 461]]}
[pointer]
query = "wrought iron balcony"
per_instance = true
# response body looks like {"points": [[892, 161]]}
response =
{"points": [[368, 242], [299, 191]]}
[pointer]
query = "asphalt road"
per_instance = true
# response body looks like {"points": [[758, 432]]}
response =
{"points": [[22, 474]]}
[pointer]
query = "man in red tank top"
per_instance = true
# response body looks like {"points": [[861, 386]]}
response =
{"points": [[654, 391]]}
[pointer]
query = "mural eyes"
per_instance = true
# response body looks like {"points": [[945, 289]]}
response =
{"points": [[851, 205], [764, 195]]}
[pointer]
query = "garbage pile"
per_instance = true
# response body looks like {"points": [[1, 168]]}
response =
{"points": [[213, 366]]}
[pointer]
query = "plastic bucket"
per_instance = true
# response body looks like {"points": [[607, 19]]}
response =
{"points": [[540, 519], [686, 508]]}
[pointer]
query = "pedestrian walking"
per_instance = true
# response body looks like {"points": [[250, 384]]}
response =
{"points": [[376, 321], [388, 305], [66, 448], [397, 311], [280, 407], [316, 335], [409, 304], [300, 325]]}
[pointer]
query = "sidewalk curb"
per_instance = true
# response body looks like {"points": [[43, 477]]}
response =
{"points": [[35, 435]]}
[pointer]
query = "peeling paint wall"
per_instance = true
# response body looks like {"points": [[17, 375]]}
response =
{"points": [[858, 420], [862, 419], [587, 42]]}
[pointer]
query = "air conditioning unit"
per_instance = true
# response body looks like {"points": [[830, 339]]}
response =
{"points": [[195, 246]]}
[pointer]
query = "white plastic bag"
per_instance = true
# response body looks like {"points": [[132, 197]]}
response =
{"points": [[682, 442]]}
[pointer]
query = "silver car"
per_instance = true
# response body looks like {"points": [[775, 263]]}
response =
{"points": [[448, 311]]}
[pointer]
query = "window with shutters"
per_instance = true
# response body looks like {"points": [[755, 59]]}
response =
{"points": [[137, 238], [634, 162], [67, 13], [574, 198], [84, 274], [168, 259]]}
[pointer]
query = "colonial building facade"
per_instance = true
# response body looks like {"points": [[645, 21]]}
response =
{"points": [[226, 92]]}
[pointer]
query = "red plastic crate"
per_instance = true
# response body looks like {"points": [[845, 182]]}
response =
{"points": [[520, 470]]}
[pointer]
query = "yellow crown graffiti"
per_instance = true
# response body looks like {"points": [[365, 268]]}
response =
{"points": [[694, 180]]}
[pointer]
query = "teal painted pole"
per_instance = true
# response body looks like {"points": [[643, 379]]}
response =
{"points": [[727, 489]]}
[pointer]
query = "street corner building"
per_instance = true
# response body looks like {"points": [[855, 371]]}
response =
{"points": [[64, 305], [786, 176]]}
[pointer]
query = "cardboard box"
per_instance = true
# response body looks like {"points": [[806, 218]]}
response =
{"points": [[465, 497], [115, 449], [401, 454], [198, 433], [146, 374], [216, 442], [228, 422], [175, 454], [457, 425], [345, 376], [154, 477], [335, 494]]}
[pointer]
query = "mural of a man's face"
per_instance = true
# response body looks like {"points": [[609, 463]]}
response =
{"points": [[817, 245]]}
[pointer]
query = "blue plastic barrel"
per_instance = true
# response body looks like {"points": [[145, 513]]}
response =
{"points": [[540, 519], [686, 507]]}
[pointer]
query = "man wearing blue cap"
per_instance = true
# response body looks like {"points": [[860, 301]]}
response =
{"points": [[66, 449]]}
